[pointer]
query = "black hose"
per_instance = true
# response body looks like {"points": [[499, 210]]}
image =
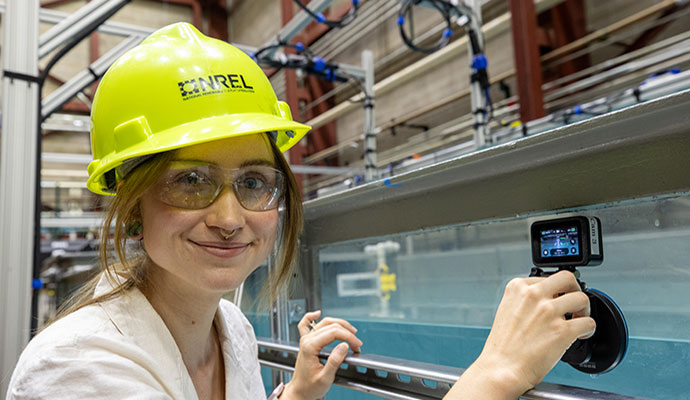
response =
{"points": [[339, 23]]}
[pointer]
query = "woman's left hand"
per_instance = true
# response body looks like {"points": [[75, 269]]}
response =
{"points": [[312, 379]]}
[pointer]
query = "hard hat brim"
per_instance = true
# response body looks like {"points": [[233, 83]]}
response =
{"points": [[197, 132]]}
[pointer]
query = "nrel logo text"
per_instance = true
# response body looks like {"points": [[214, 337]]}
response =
{"points": [[213, 84]]}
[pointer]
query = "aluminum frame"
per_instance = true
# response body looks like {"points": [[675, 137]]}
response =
{"points": [[66, 29], [18, 155], [91, 74]]}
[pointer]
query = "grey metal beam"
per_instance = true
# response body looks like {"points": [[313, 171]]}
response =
{"points": [[315, 169], [75, 23], [18, 154], [610, 158]]}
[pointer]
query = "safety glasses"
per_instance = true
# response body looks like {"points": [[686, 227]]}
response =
{"points": [[195, 185]]}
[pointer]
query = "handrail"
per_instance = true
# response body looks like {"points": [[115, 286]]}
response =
{"points": [[395, 378]]}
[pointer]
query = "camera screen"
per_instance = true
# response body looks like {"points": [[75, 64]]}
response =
{"points": [[559, 242]]}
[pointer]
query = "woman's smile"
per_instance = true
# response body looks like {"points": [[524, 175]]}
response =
{"points": [[223, 249]]}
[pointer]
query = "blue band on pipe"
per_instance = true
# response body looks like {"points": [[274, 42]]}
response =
{"points": [[37, 284], [577, 110], [447, 33], [401, 20], [388, 183], [480, 62], [355, 2], [319, 64], [299, 46], [330, 75], [320, 18]]}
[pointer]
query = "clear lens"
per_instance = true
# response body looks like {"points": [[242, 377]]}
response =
{"points": [[259, 187], [185, 185]]}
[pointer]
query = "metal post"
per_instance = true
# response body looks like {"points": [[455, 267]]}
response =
{"points": [[278, 319], [478, 97], [370, 171], [18, 148]]}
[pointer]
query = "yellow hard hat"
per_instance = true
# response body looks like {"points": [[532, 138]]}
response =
{"points": [[179, 88]]}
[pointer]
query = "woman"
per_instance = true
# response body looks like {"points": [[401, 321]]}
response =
{"points": [[188, 135]]}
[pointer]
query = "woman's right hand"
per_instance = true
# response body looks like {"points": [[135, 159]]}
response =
{"points": [[529, 336]]}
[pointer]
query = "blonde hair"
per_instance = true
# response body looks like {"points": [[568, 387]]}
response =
{"points": [[127, 268]]}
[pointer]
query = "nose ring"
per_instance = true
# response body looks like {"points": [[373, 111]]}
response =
{"points": [[227, 235]]}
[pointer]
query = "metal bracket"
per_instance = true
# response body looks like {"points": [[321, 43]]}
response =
{"points": [[23, 77]]}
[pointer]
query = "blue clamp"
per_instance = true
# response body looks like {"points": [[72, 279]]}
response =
{"points": [[480, 62], [401, 20], [447, 33], [37, 284], [319, 64], [577, 110], [320, 18], [299, 46], [355, 2], [388, 183], [330, 75]]}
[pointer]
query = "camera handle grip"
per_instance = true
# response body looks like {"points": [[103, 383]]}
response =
{"points": [[606, 348]]}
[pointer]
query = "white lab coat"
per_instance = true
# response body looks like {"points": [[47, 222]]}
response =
{"points": [[121, 349]]}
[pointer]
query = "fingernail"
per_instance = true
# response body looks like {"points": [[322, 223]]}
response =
{"points": [[341, 348]]}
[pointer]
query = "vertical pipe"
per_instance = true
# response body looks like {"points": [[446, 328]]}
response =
{"points": [[477, 95], [18, 145], [527, 61], [370, 171]]}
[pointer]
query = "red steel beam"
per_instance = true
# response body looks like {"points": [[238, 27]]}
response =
{"points": [[197, 12], [527, 62], [217, 17], [569, 22]]}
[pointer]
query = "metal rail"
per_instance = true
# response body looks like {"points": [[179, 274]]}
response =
{"points": [[395, 378]]}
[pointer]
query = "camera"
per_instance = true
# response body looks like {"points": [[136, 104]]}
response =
{"points": [[567, 243]]}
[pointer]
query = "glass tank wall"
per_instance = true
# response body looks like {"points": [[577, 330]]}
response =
{"points": [[449, 281]]}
